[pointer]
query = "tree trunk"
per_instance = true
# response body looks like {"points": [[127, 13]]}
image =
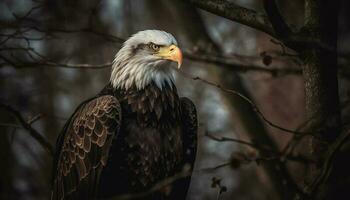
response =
{"points": [[321, 84]]}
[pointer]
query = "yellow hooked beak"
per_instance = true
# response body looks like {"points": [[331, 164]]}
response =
{"points": [[172, 53]]}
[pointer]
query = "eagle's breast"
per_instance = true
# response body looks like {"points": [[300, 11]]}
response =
{"points": [[151, 154], [149, 147]]}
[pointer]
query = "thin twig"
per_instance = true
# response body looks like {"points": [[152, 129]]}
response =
{"points": [[158, 186], [27, 126], [35, 118], [327, 164], [227, 139], [246, 99], [282, 156], [229, 64], [210, 169], [10, 125]]}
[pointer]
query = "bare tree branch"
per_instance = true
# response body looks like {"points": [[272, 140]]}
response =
{"points": [[89, 30], [211, 169], [224, 61], [47, 63], [233, 65], [327, 164], [281, 28], [297, 41], [282, 156], [227, 139], [26, 125], [256, 109], [237, 13], [246, 99], [158, 186]]}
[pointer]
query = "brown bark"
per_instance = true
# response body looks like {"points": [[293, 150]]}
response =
{"points": [[236, 13], [321, 87]]}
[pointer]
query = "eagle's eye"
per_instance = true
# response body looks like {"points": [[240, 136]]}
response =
{"points": [[154, 46]]}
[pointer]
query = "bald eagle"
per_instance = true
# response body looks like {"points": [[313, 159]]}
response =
{"points": [[135, 133]]}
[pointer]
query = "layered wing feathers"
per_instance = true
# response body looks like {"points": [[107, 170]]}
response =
{"points": [[85, 147]]}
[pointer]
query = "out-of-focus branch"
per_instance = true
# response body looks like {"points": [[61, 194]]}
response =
{"points": [[232, 65], [280, 27], [297, 41], [237, 13], [227, 139], [275, 155], [216, 183], [224, 61], [46, 63], [211, 169], [81, 30], [250, 102], [157, 187], [10, 125], [239, 158], [20, 29], [26, 125], [64, 65], [327, 164], [247, 100]]}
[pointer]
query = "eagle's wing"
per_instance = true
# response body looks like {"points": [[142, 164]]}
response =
{"points": [[84, 147], [189, 138], [190, 128]]}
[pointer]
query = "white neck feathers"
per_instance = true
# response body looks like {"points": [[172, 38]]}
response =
{"points": [[132, 70]]}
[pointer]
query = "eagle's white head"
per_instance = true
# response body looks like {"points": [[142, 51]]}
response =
{"points": [[146, 57]]}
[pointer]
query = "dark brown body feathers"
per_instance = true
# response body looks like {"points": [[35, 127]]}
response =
{"points": [[123, 142]]}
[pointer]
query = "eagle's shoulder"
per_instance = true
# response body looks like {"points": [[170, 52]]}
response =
{"points": [[190, 129], [189, 125], [84, 146], [189, 115], [188, 108]]}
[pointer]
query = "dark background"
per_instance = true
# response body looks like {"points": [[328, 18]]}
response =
{"points": [[55, 54]]}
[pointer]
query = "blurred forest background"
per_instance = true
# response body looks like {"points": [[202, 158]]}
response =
{"points": [[56, 53]]}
